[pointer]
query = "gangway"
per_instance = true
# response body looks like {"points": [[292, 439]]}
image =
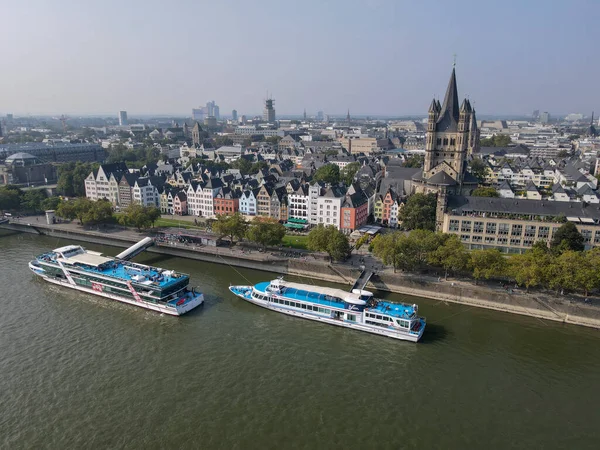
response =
{"points": [[136, 249], [362, 280]]}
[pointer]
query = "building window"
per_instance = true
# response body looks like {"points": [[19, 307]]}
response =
{"points": [[465, 225], [490, 228]]}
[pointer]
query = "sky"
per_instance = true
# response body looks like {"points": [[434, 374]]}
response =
{"points": [[377, 57]]}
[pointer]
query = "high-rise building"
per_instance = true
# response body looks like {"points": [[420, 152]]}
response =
{"points": [[9, 117], [536, 114], [545, 117], [216, 112], [269, 112], [243, 119], [234, 115], [320, 116], [122, 118], [304, 114], [198, 114]]}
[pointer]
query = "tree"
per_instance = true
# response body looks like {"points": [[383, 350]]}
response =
{"points": [[574, 137], [71, 178], [485, 192], [526, 270], [349, 172], [329, 239], [487, 263], [273, 140], [562, 153], [414, 161], [136, 215], [451, 255], [478, 169], [10, 199], [234, 226], [243, 165], [265, 231], [51, 203], [567, 237], [407, 251], [153, 214], [32, 200], [497, 140], [329, 173], [419, 212], [66, 210], [83, 206], [101, 211]]}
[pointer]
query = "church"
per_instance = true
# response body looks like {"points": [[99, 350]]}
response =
{"points": [[452, 137]]}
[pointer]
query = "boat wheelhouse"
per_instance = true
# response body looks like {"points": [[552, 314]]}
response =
{"points": [[141, 285], [357, 309]]}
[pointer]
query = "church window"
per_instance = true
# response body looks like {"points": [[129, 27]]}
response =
{"points": [[445, 141], [451, 155], [452, 141], [439, 141]]}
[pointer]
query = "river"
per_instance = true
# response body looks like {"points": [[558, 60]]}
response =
{"points": [[78, 371]]}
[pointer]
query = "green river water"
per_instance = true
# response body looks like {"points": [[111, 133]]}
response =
{"points": [[82, 372]]}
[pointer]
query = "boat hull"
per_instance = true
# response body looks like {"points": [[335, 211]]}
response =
{"points": [[305, 315], [176, 310]]}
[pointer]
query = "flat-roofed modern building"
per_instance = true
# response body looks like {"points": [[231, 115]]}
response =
{"points": [[56, 151], [514, 225]]}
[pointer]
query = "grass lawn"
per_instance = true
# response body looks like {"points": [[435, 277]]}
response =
{"points": [[295, 241], [176, 224]]}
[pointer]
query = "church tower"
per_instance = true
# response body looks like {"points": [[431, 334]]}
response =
{"points": [[452, 136]]}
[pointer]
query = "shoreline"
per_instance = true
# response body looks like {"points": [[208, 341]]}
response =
{"points": [[536, 305]]}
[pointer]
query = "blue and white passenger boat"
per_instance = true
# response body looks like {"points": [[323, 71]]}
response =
{"points": [[149, 287], [358, 309]]}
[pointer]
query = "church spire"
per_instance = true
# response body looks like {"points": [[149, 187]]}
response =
{"points": [[450, 104]]}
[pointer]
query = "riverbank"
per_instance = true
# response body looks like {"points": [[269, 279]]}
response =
{"points": [[541, 305]]}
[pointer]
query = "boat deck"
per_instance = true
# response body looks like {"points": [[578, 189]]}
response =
{"points": [[125, 272], [400, 310], [303, 296]]}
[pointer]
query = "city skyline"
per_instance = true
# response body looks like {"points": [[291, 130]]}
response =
{"points": [[510, 57]]}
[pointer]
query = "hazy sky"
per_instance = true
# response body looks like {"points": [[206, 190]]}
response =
{"points": [[372, 56]]}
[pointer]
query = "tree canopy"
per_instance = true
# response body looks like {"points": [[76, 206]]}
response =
{"points": [[348, 173], [478, 168], [141, 217], [86, 210], [265, 231], [233, 226], [567, 237], [414, 161], [497, 140], [71, 178], [485, 192], [329, 173], [419, 212], [330, 240]]}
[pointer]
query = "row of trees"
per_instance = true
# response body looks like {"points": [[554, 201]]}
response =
{"points": [[71, 178], [562, 266], [264, 231], [30, 201], [86, 211]]}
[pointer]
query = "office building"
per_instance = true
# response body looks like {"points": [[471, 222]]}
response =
{"points": [[234, 116], [269, 111], [545, 117], [122, 118]]}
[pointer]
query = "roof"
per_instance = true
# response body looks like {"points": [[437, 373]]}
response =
{"points": [[20, 155], [442, 179], [459, 204]]}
